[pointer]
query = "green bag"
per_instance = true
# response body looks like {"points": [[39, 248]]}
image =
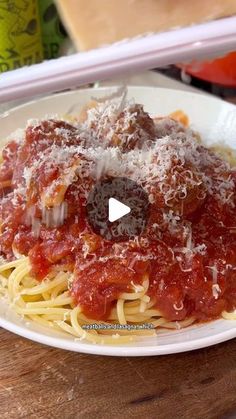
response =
{"points": [[20, 34], [53, 33]]}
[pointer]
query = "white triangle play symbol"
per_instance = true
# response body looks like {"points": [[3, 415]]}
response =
{"points": [[117, 210]]}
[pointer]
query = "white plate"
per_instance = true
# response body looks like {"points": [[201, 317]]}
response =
{"points": [[216, 121]]}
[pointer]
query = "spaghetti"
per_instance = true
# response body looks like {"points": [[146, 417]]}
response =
{"points": [[57, 272], [50, 304]]}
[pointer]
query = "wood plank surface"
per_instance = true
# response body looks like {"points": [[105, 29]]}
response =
{"points": [[40, 382]]}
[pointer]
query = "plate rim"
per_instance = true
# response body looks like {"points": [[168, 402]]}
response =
{"points": [[118, 350], [208, 96]]}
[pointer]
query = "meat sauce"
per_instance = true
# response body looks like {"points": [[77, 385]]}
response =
{"points": [[188, 250]]}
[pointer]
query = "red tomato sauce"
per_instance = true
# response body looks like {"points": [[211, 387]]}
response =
{"points": [[189, 274]]}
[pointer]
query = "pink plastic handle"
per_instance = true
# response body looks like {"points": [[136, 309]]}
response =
{"points": [[133, 55]]}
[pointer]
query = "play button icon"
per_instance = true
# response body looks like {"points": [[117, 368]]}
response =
{"points": [[117, 209]]}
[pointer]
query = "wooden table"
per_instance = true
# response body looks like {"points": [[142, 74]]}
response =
{"points": [[40, 382]]}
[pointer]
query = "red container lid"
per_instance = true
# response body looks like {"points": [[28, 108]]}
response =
{"points": [[220, 71]]}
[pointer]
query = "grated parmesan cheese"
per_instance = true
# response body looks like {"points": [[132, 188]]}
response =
{"points": [[216, 291]]}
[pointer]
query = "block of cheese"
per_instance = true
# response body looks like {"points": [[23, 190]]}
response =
{"points": [[93, 23]]}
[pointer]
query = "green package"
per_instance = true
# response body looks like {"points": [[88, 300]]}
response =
{"points": [[20, 34], [53, 33]]}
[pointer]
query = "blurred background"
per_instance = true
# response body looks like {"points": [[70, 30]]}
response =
{"points": [[32, 31]]}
